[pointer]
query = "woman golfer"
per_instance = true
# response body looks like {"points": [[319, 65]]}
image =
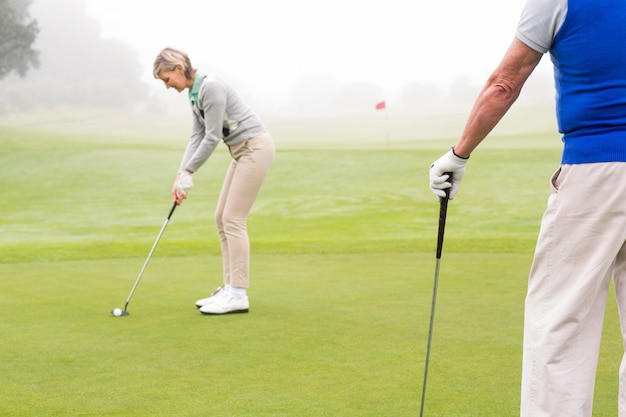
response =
{"points": [[219, 113]]}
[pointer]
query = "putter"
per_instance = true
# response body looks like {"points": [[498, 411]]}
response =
{"points": [[443, 209], [119, 312]]}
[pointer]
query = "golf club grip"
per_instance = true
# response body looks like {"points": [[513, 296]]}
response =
{"points": [[443, 210], [172, 210]]}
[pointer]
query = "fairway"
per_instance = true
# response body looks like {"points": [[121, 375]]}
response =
{"points": [[343, 254]]}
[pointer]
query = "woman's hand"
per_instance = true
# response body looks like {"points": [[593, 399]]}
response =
{"points": [[183, 183]]}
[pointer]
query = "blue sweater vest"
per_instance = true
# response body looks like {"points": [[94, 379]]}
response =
{"points": [[589, 57]]}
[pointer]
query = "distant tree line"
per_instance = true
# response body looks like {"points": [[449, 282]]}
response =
{"points": [[53, 55], [77, 67]]}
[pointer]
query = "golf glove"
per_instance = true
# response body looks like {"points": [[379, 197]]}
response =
{"points": [[185, 181], [439, 178]]}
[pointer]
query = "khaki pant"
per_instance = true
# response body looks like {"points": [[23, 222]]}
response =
{"points": [[580, 246], [248, 169]]}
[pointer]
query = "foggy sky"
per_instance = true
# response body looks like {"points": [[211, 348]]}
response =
{"points": [[269, 48], [323, 58]]}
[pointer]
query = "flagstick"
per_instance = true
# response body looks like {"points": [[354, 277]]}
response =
{"points": [[383, 106], [387, 126]]}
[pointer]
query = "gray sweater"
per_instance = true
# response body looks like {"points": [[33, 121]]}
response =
{"points": [[218, 114]]}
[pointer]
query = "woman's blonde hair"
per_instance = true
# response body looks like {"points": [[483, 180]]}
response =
{"points": [[168, 59]]}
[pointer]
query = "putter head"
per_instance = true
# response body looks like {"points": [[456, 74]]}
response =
{"points": [[118, 312]]}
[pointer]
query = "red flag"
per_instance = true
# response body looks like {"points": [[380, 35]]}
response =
{"points": [[381, 105]]}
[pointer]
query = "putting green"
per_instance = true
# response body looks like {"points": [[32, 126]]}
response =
{"points": [[343, 259]]}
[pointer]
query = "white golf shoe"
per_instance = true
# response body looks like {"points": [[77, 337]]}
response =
{"points": [[226, 304], [219, 292]]}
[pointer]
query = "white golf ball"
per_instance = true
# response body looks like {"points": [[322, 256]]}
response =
{"points": [[117, 312]]}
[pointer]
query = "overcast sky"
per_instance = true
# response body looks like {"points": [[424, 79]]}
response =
{"points": [[268, 46]]}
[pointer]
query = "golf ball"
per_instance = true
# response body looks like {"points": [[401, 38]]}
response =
{"points": [[117, 312]]}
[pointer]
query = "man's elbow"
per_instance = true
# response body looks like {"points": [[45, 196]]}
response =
{"points": [[505, 91]]}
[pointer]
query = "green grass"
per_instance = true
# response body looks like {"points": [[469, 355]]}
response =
{"points": [[343, 243]]}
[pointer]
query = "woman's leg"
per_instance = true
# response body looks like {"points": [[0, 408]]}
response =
{"points": [[219, 214], [252, 160]]}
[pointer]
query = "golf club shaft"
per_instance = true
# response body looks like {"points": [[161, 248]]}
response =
{"points": [[443, 210], [132, 291]]}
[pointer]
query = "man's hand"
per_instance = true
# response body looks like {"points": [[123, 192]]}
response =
{"points": [[440, 170]]}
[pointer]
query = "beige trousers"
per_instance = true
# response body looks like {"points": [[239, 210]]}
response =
{"points": [[250, 164], [580, 246]]}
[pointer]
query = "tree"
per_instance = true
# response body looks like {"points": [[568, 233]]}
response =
{"points": [[17, 35], [78, 67]]}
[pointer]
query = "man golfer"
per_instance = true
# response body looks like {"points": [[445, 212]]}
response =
{"points": [[582, 238]]}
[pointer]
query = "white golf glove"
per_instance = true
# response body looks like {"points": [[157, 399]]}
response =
{"points": [[439, 170], [185, 181]]}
